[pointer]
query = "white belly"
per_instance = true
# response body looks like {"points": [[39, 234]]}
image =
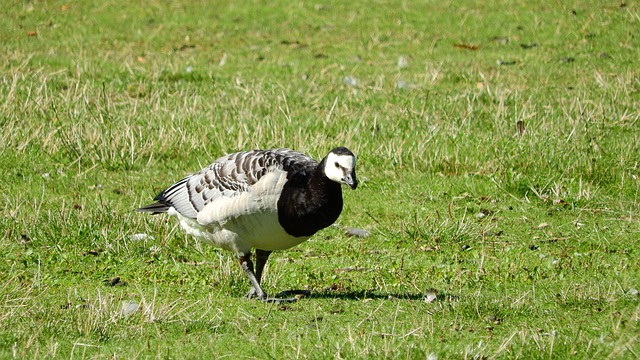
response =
{"points": [[241, 234]]}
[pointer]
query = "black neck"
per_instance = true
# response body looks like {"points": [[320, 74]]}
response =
{"points": [[309, 202]]}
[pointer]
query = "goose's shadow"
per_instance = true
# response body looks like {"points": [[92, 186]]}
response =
{"points": [[369, 294]]}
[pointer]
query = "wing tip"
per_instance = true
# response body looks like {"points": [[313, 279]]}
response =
{"points": [[155, 208]]}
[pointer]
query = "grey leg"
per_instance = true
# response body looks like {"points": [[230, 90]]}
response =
{"points": [[256, 291], [247, 266], [261, 259]]}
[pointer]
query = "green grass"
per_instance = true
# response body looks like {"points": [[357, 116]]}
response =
{"points": [[530, 240]]}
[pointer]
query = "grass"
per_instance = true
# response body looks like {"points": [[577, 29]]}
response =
{"points": [[528, 235]]}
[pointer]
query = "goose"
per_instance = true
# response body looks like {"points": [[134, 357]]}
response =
{"points": [[265, 200]]}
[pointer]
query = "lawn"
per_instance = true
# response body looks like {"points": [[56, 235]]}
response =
{"points": [[498, 148]]}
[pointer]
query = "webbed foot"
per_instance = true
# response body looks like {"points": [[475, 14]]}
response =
{"points": [[286, 296]]}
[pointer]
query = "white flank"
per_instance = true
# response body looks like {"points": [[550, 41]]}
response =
{"points": [[245, 221]]}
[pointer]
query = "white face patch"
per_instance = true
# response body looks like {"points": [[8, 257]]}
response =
{"points": [[339, 168]]}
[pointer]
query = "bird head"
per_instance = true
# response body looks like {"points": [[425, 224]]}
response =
{"points": [[340, 166]]}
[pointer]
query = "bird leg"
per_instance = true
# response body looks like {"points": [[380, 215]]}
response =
{"points": [[261, 260], [247, 265]]}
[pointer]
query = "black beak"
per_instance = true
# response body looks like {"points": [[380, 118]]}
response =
{"points": [[351, 180]]}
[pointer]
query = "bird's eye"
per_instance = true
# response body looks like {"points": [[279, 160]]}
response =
{"points": [[336, 164]]}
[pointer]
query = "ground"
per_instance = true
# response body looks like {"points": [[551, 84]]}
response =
{"points": [[497, 143]]}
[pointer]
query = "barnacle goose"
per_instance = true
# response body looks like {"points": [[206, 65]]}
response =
{"points": [[260, 199]]}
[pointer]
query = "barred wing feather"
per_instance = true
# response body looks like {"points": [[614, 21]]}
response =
{"points": [[227, 177]]}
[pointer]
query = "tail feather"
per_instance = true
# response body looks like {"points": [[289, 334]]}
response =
{"points": [[155, 208]]}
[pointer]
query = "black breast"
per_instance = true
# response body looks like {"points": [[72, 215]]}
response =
{"points": [[308, 203]]}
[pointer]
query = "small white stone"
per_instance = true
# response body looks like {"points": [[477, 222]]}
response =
{"points": [[129, 307], [403, 85], [141, 236], [361, 233], [350, 81], [430, 296], [403, 62]]}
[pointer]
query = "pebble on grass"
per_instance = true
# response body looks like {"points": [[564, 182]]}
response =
{"points": [[129, 307], [141, 236], [355, 232], [350, 81], [403, 62], [430, 296], [403, 85]]}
